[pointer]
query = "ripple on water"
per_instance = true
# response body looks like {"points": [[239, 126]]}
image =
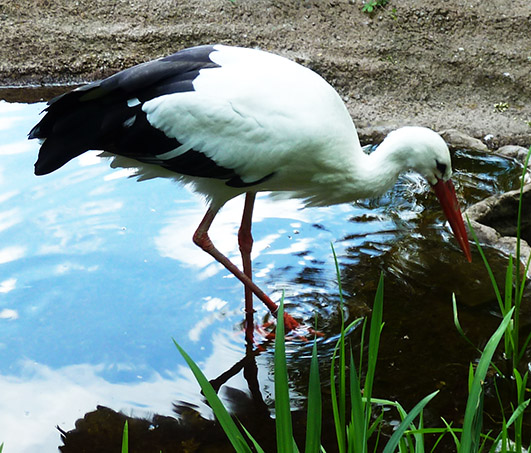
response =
{"points": [[99, 274]]}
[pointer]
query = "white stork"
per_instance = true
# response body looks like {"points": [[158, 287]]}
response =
{"points": [[229, 121]]}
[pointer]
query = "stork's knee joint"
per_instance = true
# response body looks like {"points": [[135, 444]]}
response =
{"points": [[202, 240], [245, 241]]}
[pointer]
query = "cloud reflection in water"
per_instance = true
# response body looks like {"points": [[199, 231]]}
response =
{"points": [[38, 397], [99, 273]]}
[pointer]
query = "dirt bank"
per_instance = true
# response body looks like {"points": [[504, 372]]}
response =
{"points": [[445, 64]]}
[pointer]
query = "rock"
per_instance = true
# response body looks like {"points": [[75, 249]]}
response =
{"points": [[459, 140], [494, 221], [520, 154], [514, 152], [374, 134]]}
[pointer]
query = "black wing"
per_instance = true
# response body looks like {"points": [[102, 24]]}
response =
{"points": [[107, 115]]}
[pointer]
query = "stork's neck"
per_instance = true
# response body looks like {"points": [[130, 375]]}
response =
{"points": [[377, 172], [353, 175], [357, 175]]}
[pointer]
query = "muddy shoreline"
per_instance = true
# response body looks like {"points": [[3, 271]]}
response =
{"points": [[454, 64]]}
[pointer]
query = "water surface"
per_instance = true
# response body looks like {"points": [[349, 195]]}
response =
{"points": [[99, 273]]}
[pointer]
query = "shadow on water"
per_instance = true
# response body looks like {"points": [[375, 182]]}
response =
{"points": [[101, 282]]}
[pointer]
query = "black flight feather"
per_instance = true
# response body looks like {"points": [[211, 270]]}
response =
{"points": [[98, 116]]}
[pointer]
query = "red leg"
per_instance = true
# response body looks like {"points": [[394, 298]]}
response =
{"points": [[245, 241], [202, 240]]}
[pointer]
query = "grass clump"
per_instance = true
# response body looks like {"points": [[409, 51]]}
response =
{"points": [[370, 5], [512, 296], [352, 402], [513, 349]]}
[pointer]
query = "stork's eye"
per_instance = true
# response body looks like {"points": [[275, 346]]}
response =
{"points": [[441, 167]]}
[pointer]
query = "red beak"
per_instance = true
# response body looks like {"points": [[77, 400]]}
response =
{"points": [[445, 192]]}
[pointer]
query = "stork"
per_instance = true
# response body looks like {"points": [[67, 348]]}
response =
{"points": [[230, 121]]}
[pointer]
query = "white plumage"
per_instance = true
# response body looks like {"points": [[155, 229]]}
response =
{"points": [[229, 121]]}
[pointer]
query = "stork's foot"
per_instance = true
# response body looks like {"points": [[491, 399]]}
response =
{"points": [[292, 329], [290, 324]]}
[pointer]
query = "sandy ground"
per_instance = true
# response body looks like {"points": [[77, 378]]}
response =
{"points": [[443, 64]]}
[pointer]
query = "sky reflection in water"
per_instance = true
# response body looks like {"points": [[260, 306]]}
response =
{"points": [[99, 273]]}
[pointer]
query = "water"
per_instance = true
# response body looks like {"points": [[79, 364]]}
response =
{"points": [[99, 273]]}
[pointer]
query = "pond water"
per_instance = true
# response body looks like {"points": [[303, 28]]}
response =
{"points": [[99, 273]]}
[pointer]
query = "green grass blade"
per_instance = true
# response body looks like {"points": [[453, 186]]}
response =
{"points": [[339, 398], [374, 338], [375, 424], [511, 335], [340, 434], [474, 402], [314, 417], [518, 299], [486, 437], [341, 414], [358, 433], [521, 384], [1, 447], [282, 403], [419, 437], [517, 416], [453, 432], [362, 343], [519, 285], [408, 420], [225, 420], [125, 438], [517, 412], [487, 266], [338, 276], [342, 382], [458, 324], [477, 424], [441, 433], [519, 296], [501, 443], [462, 333], [253, 441], [470, 377], [518, 236], [508, 286]]}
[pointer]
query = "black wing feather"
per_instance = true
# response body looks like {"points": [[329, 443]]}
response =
{"points": [[97, 116]]}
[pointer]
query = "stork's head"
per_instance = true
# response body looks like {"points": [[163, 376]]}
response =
{"points": [[426, 152]]}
